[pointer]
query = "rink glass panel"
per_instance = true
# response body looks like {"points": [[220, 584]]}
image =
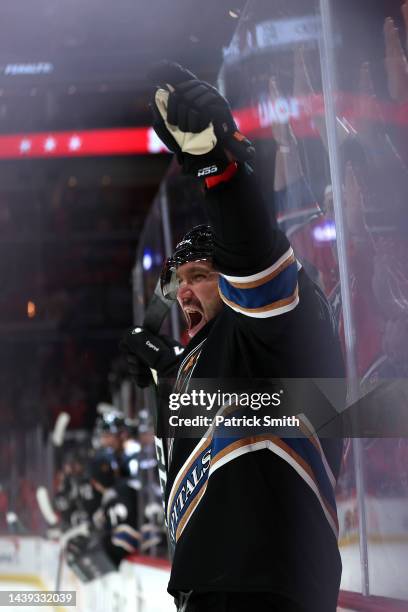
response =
{"points": [[340, 195], [341, 198]]}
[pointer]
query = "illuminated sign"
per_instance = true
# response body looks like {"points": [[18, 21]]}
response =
{"points": [[273, 33], [125, 141], [280, 110], [279, 32], [28, 68]]}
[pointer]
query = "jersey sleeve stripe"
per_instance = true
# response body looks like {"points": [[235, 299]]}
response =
{"points": [[270, 310], [300, 213], [300, 454], [307, 428], [297, 454], [126, 530], [277, 290], [126, 537], [125, 545], [263, 279], [233, 280]]}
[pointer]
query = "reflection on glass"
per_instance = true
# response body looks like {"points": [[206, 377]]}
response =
{"points": [[274, 59]]}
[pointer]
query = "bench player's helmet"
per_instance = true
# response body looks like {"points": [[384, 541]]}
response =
{"points": [[103, 468], [196, 245]]}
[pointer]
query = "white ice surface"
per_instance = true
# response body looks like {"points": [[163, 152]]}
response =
{"points": [[388, 562]]}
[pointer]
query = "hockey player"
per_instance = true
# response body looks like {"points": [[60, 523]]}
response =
{"points": [[117, 517], [117, 436], [252, 519], [76, 500]]}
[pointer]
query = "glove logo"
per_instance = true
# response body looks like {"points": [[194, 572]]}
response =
{"points": [[152, 346], [207, 170]]}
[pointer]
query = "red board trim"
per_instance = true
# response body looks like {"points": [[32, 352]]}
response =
{"points": [[360, 603]]}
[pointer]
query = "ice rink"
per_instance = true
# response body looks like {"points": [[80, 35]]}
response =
{"points": [[388, 569]]}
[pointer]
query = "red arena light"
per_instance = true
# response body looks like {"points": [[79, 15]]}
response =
{"points": [[257, 121]]}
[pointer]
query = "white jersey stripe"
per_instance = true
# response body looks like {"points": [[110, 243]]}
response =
{"points": [[260, 275], [277, 450]]}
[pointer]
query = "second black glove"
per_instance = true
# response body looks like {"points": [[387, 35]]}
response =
{"points": [[146, 351]]}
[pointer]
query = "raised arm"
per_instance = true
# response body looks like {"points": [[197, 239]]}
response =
{"points": [[258, 268]]}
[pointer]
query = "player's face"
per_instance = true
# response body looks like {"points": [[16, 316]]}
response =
{"points": [[110, 440], [77, 468], [198, 294]]}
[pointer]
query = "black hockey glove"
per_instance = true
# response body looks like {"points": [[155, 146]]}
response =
{"points": [[195, 122], [76, 546], [145, 351]]}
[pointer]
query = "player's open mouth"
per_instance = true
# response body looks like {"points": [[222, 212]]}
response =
{"points": [[195, 320]]}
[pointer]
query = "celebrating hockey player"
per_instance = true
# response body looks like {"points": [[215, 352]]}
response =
{"points": [[252, 519]]}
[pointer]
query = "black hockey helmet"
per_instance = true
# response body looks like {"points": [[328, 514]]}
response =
{"points": [[110, 422], [145, 421], [196, 245], [107, 422], [103, 468]]}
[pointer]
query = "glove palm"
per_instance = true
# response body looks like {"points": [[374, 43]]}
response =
{"points": [[195, 121]]}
